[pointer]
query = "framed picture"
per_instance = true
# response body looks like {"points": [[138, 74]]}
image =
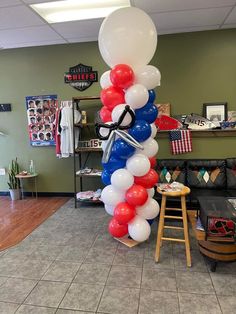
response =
{"points": [[163, 109], [216, 112]]}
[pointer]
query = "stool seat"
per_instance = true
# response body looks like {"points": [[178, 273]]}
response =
{"points": [[161, 227]]}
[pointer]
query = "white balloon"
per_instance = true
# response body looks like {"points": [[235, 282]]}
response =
{"points": [[138, 165], [150, 148], [139, 229], [151, 192], [122, 179], [136, 96], [104, 131], [149, 210], [105, 79], [154, 130], [128, 36], [149, 76], [109, 209], [117, 112], [112, 196]]}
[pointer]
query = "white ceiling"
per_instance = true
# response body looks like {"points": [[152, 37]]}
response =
{"points": [[20, 26]]}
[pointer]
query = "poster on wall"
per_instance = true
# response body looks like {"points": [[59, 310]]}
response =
{"points": [[41, 116]]}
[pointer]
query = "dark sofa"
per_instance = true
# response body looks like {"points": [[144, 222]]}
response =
{"points": [[205, 177]]}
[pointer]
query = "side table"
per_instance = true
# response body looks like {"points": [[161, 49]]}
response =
{"points": [[28, 176]]}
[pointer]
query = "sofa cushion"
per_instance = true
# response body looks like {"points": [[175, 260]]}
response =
{"points": [[206, 173], [170, 170], [231, 173], [195, 193]]}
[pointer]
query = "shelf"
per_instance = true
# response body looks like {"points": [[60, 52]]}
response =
{"points": [[88, 149], [203, 133], [85, 98], [91, 174]]}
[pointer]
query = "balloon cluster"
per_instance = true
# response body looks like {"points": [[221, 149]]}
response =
{"points": [[127, 42]]}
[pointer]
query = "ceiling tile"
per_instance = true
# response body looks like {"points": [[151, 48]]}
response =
{"points": [[36, 44], [38, 1], [29, 34], [82, 39], [18, 16], [77, 29], [8, 3], [229, 25], [181, 19], [152, 6], [188, 29], [231, 19]]}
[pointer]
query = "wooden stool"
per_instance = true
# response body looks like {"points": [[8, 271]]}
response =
{"points": [[161, 227]]}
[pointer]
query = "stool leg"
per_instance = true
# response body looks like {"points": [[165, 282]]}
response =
{"points": [[160, 228], [186, 237]]}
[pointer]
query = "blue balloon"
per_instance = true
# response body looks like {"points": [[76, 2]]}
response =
{"points": [[148, 113], [106, 177], [152, 95], [141, 130], [121, 149], [114, 164]]}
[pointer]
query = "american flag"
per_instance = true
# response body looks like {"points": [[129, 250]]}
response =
{"points": [[181, 141]]}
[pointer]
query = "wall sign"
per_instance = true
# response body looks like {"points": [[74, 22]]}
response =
{"points": [[41, 114], [81, 76], [5, 107], [92, 143]]}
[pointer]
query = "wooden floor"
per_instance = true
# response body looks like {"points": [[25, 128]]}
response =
{"points": [[20, 218]]}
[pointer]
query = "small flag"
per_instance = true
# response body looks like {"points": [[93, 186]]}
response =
{"points": [[181, 141]]}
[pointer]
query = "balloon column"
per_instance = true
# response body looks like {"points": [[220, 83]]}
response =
{"points": [[127, 42]]}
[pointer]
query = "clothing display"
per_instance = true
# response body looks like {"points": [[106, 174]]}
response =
{"points": [[65, 125]]}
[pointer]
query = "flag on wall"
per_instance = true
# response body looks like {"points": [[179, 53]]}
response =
{"points": [[181, 141]]}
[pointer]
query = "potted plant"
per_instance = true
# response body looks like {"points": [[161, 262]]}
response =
{"points": [[14, 183]]}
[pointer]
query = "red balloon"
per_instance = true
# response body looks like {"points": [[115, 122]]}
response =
{"points": [[117, 230], [105, 115], [148, 180], [136, 195], [153, 161], [112, 96], [124, 212], [122, 76]]}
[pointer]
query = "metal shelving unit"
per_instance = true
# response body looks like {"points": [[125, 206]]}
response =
{"points": [[78, 164]]}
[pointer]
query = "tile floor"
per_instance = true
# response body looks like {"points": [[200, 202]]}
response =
{"points": [[71, 265]]}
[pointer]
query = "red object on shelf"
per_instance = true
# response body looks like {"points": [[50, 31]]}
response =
{"points": [[165, 123]]}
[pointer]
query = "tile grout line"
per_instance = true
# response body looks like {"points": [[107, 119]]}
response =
{"points": [[106, 280], [139, 297]]}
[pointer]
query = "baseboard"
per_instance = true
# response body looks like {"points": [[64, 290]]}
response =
{"points": [[43, 194]]}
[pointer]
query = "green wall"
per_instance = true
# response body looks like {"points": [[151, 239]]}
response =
{"points": [[196, 68]]}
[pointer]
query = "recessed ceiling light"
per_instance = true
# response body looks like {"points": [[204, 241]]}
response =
{"points": [[74, 10]]}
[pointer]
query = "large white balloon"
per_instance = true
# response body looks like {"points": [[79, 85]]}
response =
{"points": [[117, 112], [149, 76], [149, 210], [109, 209], [150, 148], [122, 179], [138, 165], [105, 79], [136, 96], [151, 192], [139, 229], [128, 36], [154, 130], [112, 196]]}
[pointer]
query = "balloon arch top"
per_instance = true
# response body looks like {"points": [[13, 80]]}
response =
{"points": [[127, 42]]}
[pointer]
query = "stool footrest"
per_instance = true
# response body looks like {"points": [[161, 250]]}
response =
{"points": [[173, 239], [174, 209], [173, 217], [173, 227]]}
